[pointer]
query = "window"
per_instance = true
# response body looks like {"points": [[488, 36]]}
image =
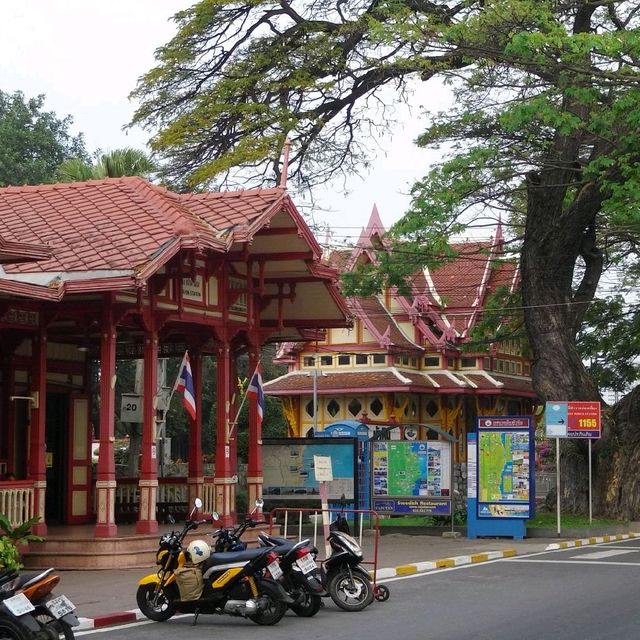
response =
{"points": [[362, 358], [308, 361], [379, 358], [344, 360], [527, 369], [432, 361], [309, 408], [451, 363], [354, 407], [414, 362], [486, 364], [333, 407], [376, 407], [326, 361], [468, 363]]}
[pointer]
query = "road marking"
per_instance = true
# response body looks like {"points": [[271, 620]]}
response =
{"points": [[598, 555], [592, 562]]}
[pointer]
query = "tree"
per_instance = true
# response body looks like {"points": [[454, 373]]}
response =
{"points": [[33, 142], [114, 164], [544, 128]]}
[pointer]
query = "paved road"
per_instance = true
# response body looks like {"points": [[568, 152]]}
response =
{"points": [[588, 593]]}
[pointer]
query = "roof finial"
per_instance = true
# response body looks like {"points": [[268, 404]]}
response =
{"points": [[285, 163]]}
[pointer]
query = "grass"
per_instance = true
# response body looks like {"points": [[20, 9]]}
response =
{"points": [[541, 520]]}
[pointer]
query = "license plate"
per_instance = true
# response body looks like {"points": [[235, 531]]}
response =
{"points": [[307, 564], [19, 604], [275, 570], [60, 606]]}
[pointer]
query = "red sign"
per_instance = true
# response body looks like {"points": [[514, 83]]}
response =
{"points": [[583, 420]]}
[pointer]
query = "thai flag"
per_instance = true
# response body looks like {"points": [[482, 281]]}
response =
{"points": [[184, 384], [255, 389]]}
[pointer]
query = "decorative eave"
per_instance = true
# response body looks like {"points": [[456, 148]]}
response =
{"points": [[13, 252]]}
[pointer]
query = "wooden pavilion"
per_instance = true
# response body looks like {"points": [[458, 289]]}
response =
{"points": [[121, 268]]}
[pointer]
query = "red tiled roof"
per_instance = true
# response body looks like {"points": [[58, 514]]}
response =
{"points": [[119, 223], [380, 322], [298, 383]]}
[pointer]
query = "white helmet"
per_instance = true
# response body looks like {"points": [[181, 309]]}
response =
{"points": [[199, 551]]}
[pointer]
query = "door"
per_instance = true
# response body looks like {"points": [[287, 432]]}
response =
{"points": [[56, 438]]}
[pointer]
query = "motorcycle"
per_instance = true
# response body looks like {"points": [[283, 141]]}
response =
{"points": [[297, 572], [348, 584], [221, 582], [26, 614], [55, 615]]}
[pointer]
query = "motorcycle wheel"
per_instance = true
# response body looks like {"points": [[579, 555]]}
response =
{"points": [[271, 611], [350, 593], [54, 628], [10, 630], [163, 609], [307, 604]]}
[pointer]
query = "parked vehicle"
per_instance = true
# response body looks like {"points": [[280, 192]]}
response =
{"points": [[348, 584], [298, 572], [55, 615], [194, 580], [28, 614]]}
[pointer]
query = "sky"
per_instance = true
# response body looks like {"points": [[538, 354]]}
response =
{"points": [[86, 57]]}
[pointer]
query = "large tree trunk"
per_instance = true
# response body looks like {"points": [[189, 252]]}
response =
{"points": [[617, 492], [554, 306]]}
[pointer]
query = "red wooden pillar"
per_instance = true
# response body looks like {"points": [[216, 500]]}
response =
{"points": [[254, 468], [106, 471], [195, 479], [226, 466], [148, 484], [37, 446]]}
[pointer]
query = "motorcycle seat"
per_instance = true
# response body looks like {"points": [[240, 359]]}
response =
{"points": [[230, 557]]}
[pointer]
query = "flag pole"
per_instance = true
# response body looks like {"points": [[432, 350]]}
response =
{"points": [[233, 425]]}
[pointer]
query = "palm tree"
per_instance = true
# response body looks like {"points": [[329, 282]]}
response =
{"points": [[114, 164]]}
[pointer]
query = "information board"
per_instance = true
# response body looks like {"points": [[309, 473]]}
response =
{"points": [[411, 477], [573, 420], [504, 469], [289, 468]]}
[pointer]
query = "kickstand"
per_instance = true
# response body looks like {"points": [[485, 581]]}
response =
{"points": [[195, 617]]}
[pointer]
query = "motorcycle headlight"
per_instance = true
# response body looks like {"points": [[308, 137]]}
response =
{"points": [[351, 543]]}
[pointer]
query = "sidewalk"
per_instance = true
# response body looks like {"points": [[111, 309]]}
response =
{"points": [[107, 597]]}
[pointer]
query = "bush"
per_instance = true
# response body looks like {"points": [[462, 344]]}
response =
{"points": [[12, 538]]}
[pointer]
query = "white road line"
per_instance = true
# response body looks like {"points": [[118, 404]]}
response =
{"points": [[598, 555], [591, 562]]}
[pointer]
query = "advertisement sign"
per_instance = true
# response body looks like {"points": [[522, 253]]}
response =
{"points": [[412, 477], [573, 420], [505, 449]]}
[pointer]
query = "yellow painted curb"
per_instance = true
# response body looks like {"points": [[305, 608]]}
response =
{"points": [[593, 541], [406, 570], [509, 553], [578, 543], [479, 557], [607, 538], [445, 563]]}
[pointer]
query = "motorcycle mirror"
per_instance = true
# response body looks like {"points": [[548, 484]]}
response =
{"points": [[215, 515], [197, 503], [259, 503]]}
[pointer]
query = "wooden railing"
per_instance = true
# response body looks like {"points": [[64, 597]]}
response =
{"points": [[16, 501]]}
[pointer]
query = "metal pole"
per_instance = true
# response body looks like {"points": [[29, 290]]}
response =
{"points": [[558, 483], [590, 501], [453, 491], [315, 400]]}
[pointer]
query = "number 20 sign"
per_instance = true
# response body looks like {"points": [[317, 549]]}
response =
{"points": [[573, 420]]}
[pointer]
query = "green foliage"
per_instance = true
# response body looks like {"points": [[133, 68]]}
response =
{"points": [[12, 538], [115, 164], [33, 142], [610, 343]]}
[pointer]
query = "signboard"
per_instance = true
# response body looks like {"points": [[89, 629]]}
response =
{"points": [[505, 449], [192, 289], [131, 408], [573, 420], [289, 468], [412, 477], [322, 468]]}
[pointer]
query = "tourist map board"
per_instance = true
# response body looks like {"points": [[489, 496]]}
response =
{"points": [[412, 477], [505, 482]]}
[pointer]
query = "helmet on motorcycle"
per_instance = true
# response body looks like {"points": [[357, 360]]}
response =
{"points": [[198, 551]]}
